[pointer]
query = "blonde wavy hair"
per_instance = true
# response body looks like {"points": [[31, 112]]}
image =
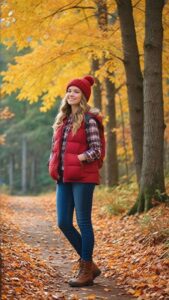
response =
{"points": [[65, 111]]}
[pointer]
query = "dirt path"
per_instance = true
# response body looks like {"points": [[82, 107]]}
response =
{"points": [[39, 232]]}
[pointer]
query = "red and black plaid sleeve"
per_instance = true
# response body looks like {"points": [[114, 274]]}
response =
{"points": [[94, 142]]}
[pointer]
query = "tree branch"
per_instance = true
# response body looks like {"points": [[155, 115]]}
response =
{"points": [[63, 54], [73, 7], [119, 87]]}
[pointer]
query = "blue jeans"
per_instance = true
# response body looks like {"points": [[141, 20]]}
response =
{"points": [[76, 196]]}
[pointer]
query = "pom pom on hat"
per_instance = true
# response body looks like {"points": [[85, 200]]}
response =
{"points": [[84, 84], [90, 79]]}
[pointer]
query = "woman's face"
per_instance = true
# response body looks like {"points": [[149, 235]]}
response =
{"points": [[74, 95]]}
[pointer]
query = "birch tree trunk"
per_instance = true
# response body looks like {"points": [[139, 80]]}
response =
{"points": [[152, 177], [134, 80]]}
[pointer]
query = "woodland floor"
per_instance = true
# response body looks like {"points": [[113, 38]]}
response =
{"points": [[37, 261]]}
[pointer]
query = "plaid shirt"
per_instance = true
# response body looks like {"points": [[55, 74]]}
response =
{"points": [[93, 139]]}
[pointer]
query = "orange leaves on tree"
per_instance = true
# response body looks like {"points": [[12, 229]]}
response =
{"points": [[5, 114]]}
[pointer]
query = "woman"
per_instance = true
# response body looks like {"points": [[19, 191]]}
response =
{"points": [[77, 152]]}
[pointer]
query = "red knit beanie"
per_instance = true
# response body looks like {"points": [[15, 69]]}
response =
{"points": [[84, 84]]}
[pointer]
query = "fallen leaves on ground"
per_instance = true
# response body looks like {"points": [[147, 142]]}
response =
{"points": [[138, 263], [132, 250], [23, 273]]}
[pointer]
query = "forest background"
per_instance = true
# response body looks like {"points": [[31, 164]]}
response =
{"points": [[124, 44]]}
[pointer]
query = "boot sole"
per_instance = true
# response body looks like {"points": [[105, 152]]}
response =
{"points": [[74, 284]]}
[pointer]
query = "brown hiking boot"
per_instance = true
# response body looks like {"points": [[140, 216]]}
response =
{"points": [[85, 275], [96, 271]]}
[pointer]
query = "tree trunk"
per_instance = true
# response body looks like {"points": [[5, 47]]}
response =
{"points": [[102, 14], [97, 95], [32, 174], [152, 178], [11, 167], [24, 165], [134, 80], [111, 147], [123, 137], [166, 158], [111, 163]]}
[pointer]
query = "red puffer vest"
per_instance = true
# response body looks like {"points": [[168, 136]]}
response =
{"points": [[74, 169]]}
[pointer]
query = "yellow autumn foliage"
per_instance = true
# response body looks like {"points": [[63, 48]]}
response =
{"points": [[63, 36]]}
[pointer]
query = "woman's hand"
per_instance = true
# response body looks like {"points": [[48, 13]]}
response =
{"points": [[82, 157]]}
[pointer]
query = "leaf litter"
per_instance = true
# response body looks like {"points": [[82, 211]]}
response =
{"points": [[134, 251]]}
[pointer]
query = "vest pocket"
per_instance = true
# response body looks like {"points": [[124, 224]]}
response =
{"points": [[73, 167]]}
